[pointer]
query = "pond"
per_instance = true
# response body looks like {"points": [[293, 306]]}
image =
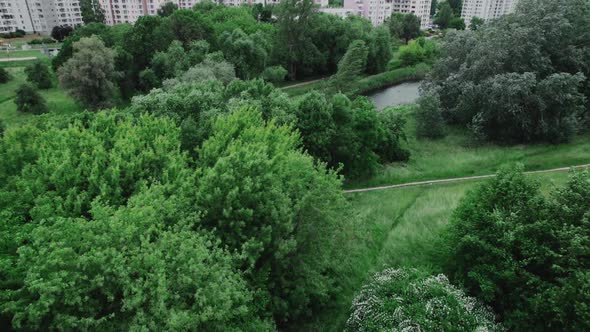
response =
{"points": [[405, 93]]}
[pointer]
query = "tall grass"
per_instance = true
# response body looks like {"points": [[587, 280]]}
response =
{"points": [[456, 155]]}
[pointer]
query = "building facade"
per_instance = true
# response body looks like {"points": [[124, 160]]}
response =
{"points": [[486, 9], [377, 11], [38, 16]]}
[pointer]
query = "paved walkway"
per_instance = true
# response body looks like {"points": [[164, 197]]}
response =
{"points": [[17, 59], [467, 178], [303, 83]]}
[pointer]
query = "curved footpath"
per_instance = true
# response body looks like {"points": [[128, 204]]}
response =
{"points": [[467, 178]]}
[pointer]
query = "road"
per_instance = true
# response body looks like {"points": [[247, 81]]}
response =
{"points": [[17, 59], [302, 83], [467, 178]]}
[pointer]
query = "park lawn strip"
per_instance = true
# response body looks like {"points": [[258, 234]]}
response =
{"points": [[396, 228], [456, 155], [58, 102], [21, 54]]}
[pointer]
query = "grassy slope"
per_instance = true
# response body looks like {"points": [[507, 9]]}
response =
{"points": [[456, 156], [57, 101], [395, 228], [21, 54]]}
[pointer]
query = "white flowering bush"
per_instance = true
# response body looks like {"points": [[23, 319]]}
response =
{"points": [[411, 300]]}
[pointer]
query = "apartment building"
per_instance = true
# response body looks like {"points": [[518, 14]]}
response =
{"points": [[377, 11], [486, 9], [38, 16]]}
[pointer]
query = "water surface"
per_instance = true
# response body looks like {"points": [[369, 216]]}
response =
{"points": [[405, 93]]}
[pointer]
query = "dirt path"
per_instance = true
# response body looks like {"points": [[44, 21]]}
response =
{"points": [[303, 83], [467, 178], [17, 59]]}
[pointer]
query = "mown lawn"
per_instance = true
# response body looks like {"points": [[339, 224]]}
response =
{"points": [[58, 102], [457, 155], [395, 228], [21, 54]]}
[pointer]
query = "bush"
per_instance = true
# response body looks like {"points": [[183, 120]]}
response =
{"points": [[39, 41], [274, 74], [4, 75], [429, 120], [420, 50], [409, 299], [39, 74], [389, 78], [14, 34], [28, 100], [523, 254]]}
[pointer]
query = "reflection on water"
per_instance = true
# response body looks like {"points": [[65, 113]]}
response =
{"points": [[405, 93]]}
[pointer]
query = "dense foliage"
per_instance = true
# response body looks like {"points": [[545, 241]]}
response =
{"points": [[524, 254], [89, 74], [297, 38], [411, 300], [96, 204], [39, 74], [61, 32], [534, 92]]}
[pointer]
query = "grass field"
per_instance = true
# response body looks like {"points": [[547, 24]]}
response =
{"points": [[395, 228], [456, 156], [21, 54], [58, 102]]}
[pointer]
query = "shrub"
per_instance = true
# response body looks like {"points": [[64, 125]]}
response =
{"points": [[4, 75], [274, 74], [409, 299], [39, 74], [523, 254], [28, 100], [429, 119]]}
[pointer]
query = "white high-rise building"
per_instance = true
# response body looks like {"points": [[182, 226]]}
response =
{"points": [[39, 16], [486, 9], [377, 11]]}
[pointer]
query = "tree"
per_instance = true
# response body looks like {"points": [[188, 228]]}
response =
{"points": [[275, 206], [316, 125], [111, 203], [262, 13], [514, 249], [404, 26], [187, 25], [476, 22], [4, 75], [403, 299], [38, 74], [91, 11], [457, 23], [274, 74], [444, 15], [352, 65], [167, 9], [28, 100], [293, 44], [429, 119], [457, 6], [88, 76], [245, 52], [379, 50], [475, 70], [61, 32]]}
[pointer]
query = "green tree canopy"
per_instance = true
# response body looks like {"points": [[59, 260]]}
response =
{"points": [[91, 11], [89, 75], [525, 254], [39, 74], [28, 100]]}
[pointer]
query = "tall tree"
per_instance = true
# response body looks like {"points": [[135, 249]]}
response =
{"points": [[379, 50], [457, 6], [444, 15], [91, 11], [352, 65], [39, 74], [90, 74], [293, 42], [404, 26]]}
